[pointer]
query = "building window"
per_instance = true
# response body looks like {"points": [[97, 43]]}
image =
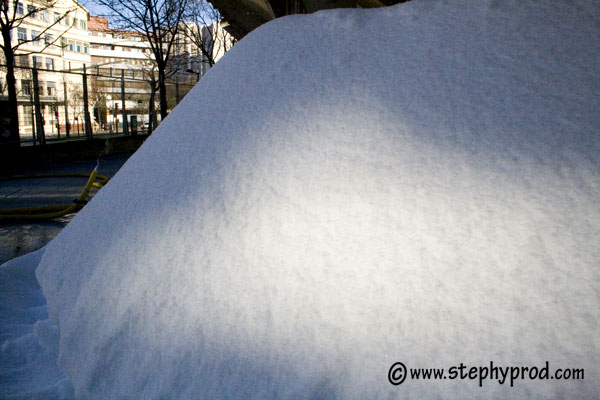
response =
{"points": [[31, 10], [71, 46], [51, 88], [44, 15], [35, 37], [48, 39], [78, 44], [22, 60], [37, 61], [85, 48], [27, 115], [50, 63], [20, 9], [26, 87], [22, 32], [56, 17], [82, 24]]}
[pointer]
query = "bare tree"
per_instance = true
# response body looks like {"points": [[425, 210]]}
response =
{"points": [[12, 15], [158, 21], [149, 75], [208, 31], [97, 97], [75, 104]]}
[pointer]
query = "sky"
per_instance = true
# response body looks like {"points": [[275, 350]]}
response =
{"points": [[94, 8]]}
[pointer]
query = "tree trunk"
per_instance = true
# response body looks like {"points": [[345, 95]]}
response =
{"points": [[151, 112], [13, 139], [162, 93]]}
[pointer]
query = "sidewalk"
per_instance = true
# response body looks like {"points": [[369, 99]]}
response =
{"points": [[21, 238]]}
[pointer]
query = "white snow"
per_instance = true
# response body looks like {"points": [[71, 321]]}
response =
{"points": [[28, 341], [345, 190]]}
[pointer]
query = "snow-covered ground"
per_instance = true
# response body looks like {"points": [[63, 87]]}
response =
{"points": [[343, 191]]}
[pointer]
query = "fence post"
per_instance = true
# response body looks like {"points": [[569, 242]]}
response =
{"points": [[57, 119], [86, 109], [177, 89], [33, 132], [151, 124], [123, 110], [39, 123], [67, 125]]}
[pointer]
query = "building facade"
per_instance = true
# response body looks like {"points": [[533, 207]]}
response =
{"points": [[53, 42], [58, 44], [124, 67]]}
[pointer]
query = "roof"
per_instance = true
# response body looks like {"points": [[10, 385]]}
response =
{"points": [[98, 24]]}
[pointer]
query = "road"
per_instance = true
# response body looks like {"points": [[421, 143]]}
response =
{"points": [[18, 238]]}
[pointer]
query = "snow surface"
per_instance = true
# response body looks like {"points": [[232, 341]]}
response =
{"points": [[29, 342], [344, 190]]}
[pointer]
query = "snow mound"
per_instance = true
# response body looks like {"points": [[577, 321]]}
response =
{"points": [[344, 191], [28, 342]]}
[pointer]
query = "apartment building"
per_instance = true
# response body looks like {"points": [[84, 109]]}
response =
{"points": [[61, 41], [116, 53], [190, 58], [53, 41]]}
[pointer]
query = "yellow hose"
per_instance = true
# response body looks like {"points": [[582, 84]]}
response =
{"points": [[50, 212]]}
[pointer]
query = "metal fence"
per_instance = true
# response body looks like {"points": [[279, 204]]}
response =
{"points": [[102, 100]]}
